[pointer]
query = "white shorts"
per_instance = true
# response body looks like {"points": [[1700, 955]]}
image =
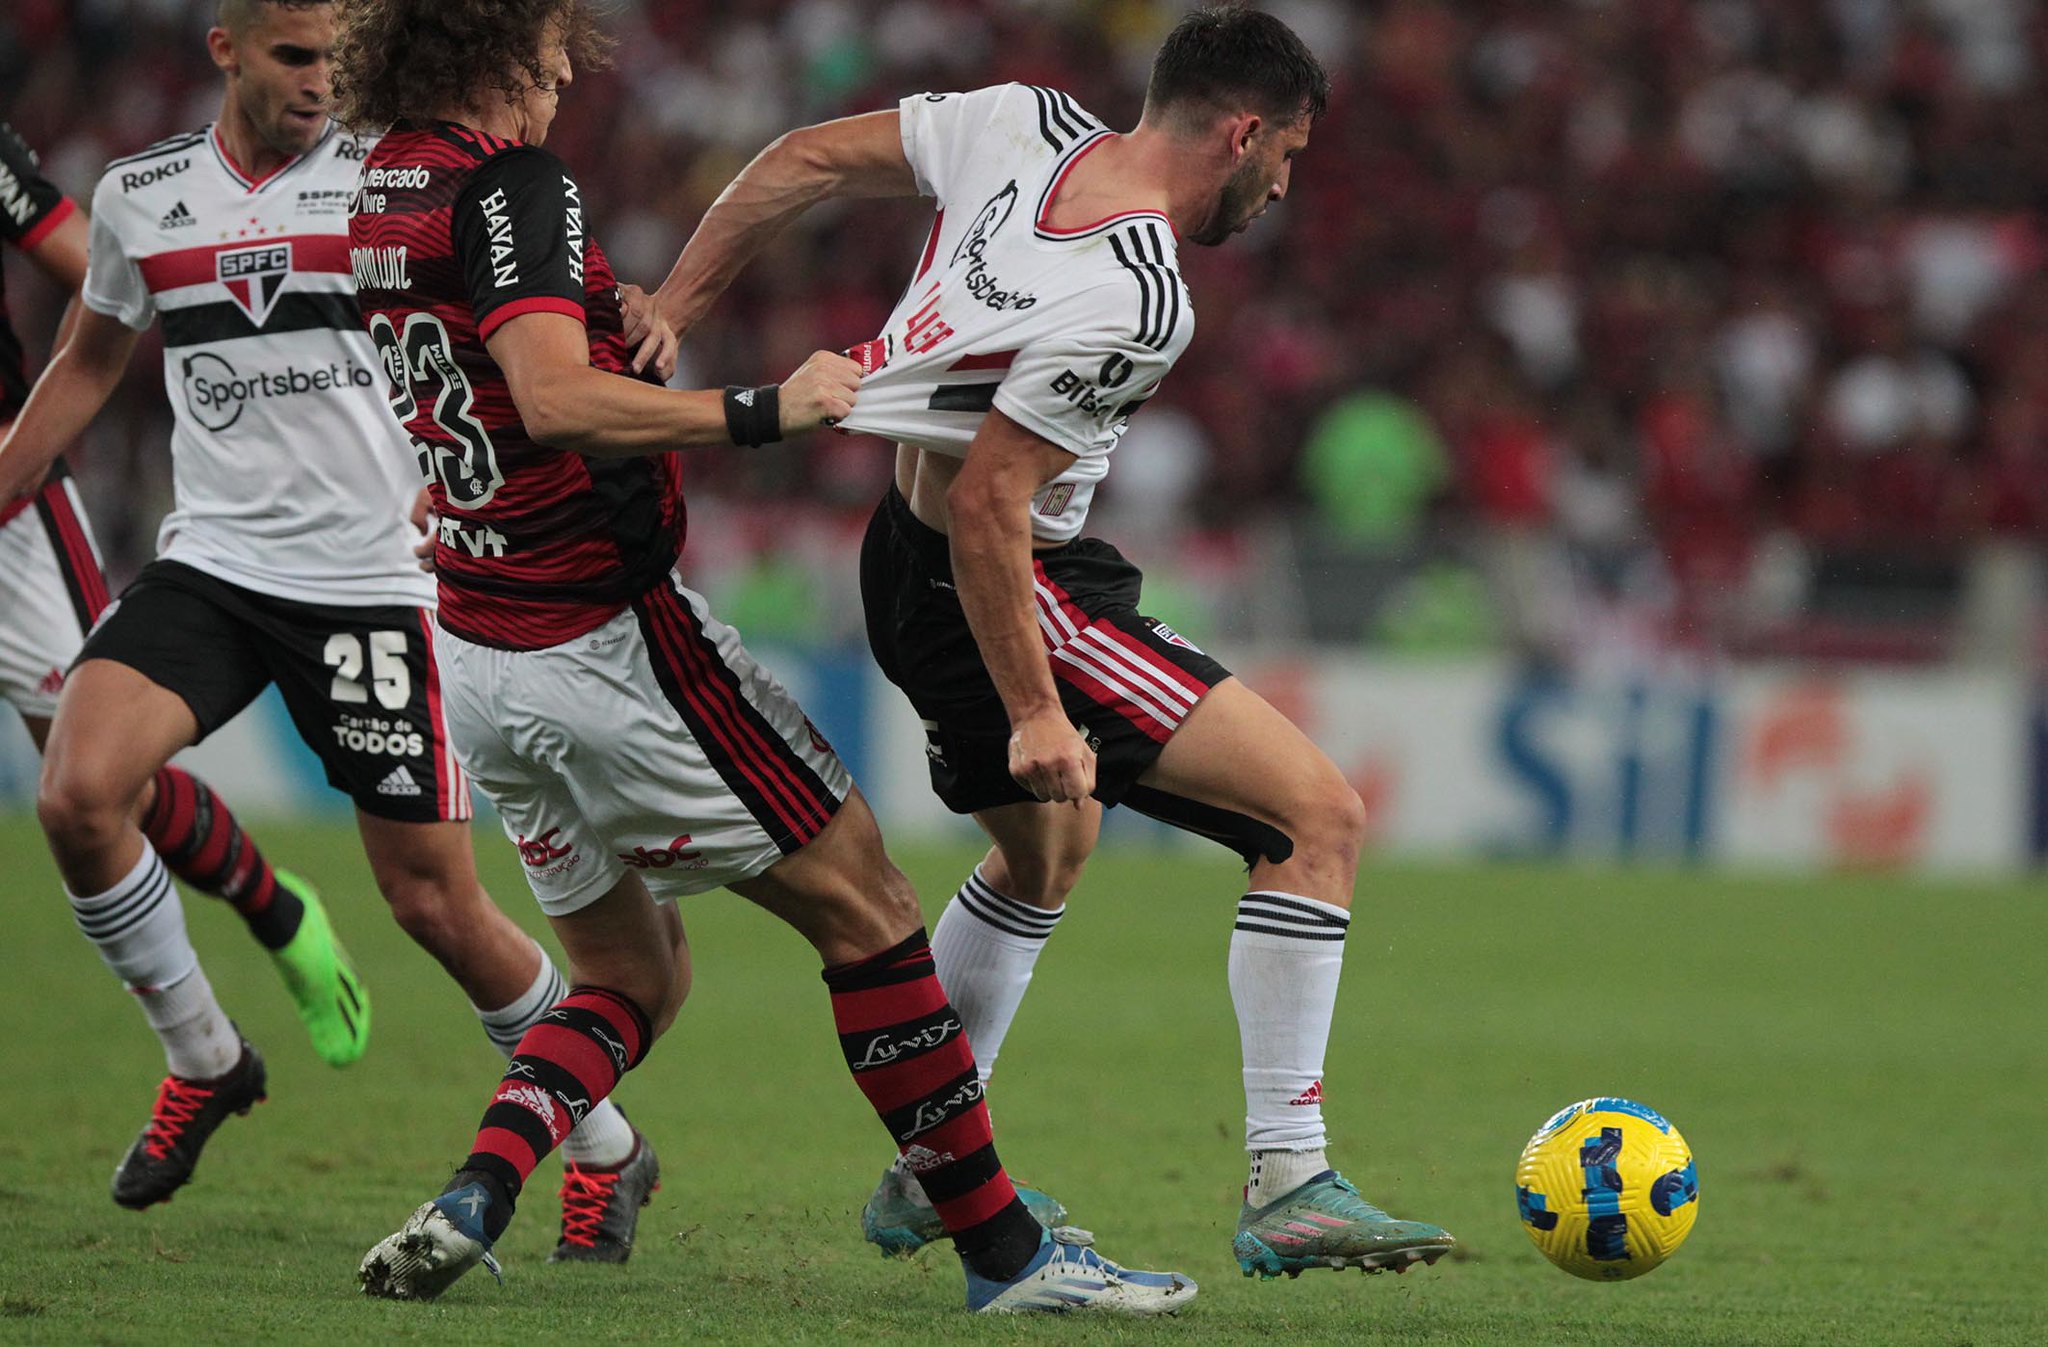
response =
{"points": [[654, 743], [51, 592]]}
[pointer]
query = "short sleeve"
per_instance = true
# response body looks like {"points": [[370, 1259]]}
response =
{"points": [[113, 282], [1078, 389], [518, 227], [939, 132], [30, 204]]}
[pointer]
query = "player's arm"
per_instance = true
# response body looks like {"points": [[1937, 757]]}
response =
{"points": [[60, 255], [989, 507], [518, 236], [851, 157], [73, 387], [567, 404]]}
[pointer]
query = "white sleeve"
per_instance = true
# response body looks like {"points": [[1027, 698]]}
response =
{"points": [[113, 283], [940, 130], [1079, 388]]}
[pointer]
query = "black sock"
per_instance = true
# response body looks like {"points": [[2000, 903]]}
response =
{"points": [[502, 1187], [1000, 1246]]}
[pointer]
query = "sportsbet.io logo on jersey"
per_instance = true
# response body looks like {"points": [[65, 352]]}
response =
{"points": [[216, 392]]}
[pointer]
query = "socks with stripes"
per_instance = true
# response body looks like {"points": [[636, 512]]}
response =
{"points": [[604, 1139], [198, 837], [910, 1057], [138, 927], [985, 946], [1285, 957], [564, 1066]]}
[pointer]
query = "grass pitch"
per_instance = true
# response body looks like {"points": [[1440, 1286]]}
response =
{"points": [[1860, 1065]]}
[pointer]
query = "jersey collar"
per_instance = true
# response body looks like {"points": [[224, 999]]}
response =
{"points": [[252, 185], [1052, 187]]}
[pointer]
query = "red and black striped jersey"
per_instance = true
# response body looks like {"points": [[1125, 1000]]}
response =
{"points": [[452, 233], [30, 207]]}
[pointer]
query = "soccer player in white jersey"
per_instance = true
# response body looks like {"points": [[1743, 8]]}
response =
{"points": [[52, 591], [1045, 309], [287, 559]]}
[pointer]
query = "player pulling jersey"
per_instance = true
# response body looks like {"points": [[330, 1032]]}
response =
{"points": [[456, 233], [1065, 331], [290, 476]]}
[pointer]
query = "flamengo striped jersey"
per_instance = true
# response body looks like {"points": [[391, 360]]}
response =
{"points": [[1066, 332], [455, 233], [289, 473], [30, 207]]}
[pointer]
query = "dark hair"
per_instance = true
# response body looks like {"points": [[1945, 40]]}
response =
{"points": [[1232, 56], [410, 58], [238, 16]]}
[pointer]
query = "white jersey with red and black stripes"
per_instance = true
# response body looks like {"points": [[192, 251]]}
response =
{"points": [[1064, 331], [291, 476]]}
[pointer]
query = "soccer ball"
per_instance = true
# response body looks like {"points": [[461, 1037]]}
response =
{"points": [[1607, 1189]]}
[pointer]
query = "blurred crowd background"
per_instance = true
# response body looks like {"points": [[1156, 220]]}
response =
{"points": [[1593, 331]]}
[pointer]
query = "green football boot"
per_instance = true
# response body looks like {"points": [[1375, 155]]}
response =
{"points": [[899, 1219], [1325, 1223], [332, 1003]]}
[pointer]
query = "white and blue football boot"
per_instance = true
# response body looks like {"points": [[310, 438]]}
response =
{"points": [[1066, 1275], [437, 1244]]}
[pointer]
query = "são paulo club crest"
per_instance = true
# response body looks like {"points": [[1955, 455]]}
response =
{"points": [[254, 276]]}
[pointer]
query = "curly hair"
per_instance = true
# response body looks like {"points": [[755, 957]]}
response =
{"points": [[413, 58]]}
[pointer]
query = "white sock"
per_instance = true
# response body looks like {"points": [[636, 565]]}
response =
{"points": [[1278, 1173], [1286, 954], [984, 949], [138, 926], [604, 1139]]}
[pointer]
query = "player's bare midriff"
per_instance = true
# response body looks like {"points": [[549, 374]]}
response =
{"points": [[924, 478]]}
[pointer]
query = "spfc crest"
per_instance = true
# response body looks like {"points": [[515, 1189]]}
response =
{"points": [[255, 276]]}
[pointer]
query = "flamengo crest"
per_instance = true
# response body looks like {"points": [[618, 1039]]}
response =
{"points": [[255, 276]]}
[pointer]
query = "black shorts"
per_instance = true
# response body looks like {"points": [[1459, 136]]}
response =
{"points": [[1126, 680], [360, 683]]}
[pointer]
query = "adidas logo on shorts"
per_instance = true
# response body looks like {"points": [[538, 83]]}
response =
{"points": [[400, 782], [177, 217]]}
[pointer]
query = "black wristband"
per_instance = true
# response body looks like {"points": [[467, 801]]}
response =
{"points": [[753, 415]]}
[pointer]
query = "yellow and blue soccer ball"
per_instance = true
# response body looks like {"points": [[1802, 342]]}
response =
{"points": [[1607, 1189]]}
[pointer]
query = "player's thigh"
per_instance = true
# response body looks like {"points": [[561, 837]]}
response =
{"points": [[364, 690], [841, 891], [168, 663], [113, 730], [1237, 753]]}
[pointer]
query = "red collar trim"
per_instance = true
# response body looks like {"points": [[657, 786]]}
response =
{"points": [[1052, 194]]}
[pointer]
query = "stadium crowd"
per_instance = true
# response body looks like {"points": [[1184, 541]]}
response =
{"points": [[1623, 326]]}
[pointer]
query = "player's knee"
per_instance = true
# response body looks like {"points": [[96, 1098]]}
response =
{"points": [[428, 910], [79, 813], [1327, 819], [1040, 877]]}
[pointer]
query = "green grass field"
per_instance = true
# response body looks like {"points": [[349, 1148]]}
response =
{"points": [[1861, 1067]]}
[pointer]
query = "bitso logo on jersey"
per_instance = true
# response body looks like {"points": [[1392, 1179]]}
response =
{"points": [[255, 276]]}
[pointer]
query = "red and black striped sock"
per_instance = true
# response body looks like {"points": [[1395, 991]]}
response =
{"points": [[564, 1067], [201, 842], [910, 1057]]}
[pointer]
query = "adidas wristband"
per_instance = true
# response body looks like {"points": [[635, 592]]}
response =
{"points": [[753, 415]]}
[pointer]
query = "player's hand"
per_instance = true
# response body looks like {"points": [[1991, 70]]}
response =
{"points": [[427, 523], [653, 341], [1049, 758], [819, 393]]}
